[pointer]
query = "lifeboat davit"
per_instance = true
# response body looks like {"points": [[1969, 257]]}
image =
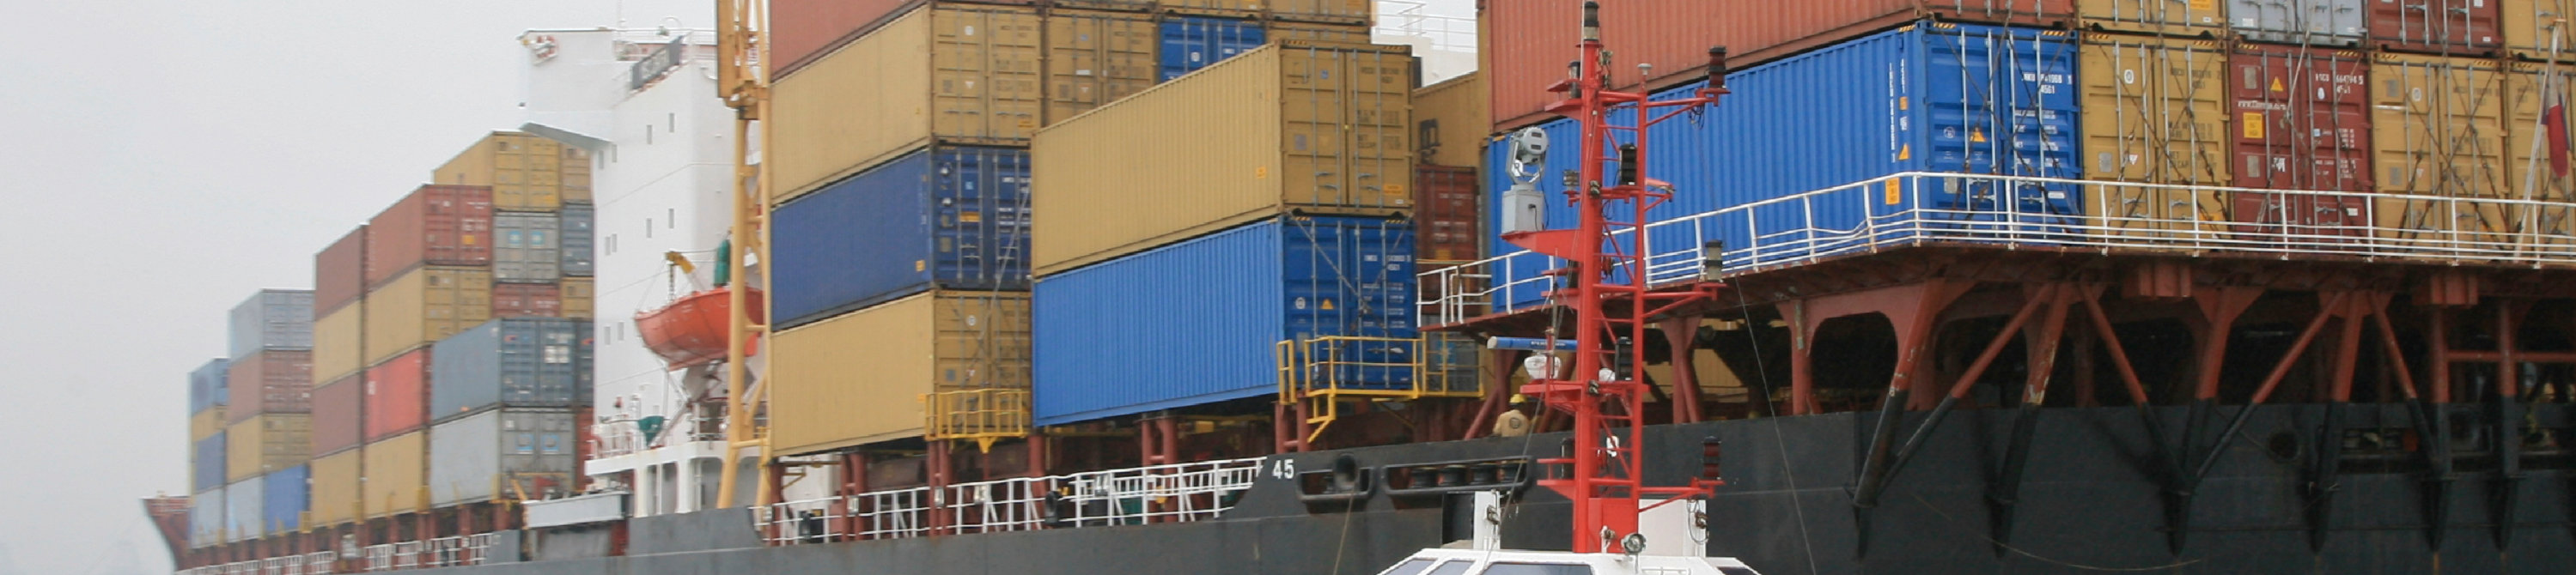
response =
{"points": [[691, 332]]}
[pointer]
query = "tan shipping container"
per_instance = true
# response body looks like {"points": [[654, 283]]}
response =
{"points": [[2539, 29], [334, 499], [2529, 172], [525, 171], [1451, 121], [2155, 112], [336, 338], [1095, 58], [1333, 11], [424, 306], [1309, 128], [397, 475], [578, 296], [2197, 18], [1346, 33], [206, 423], [266, 443], [576, 175], [964, 74], [2437, 128], [858, 378]]}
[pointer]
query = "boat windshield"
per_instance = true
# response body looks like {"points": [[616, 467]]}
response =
{"points": [[1538, 569]]}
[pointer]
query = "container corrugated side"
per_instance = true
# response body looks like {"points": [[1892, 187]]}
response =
{"points": [[525, 171], [2303, 122], [501, 454], [803, 30], [337, 408], [1095, 58], [242, 509], [2538, 30], [1207, 313], [275, 381], [1334, 11], [208, 387], [206, 517], [396, 476], [204, 424], [942, 218], [1449, 213], [2439, 27], [857, 378], [335, 488], [578, 239], [425, 306], [1452, 119], [340, 272], [1294, 127], [517, 362], [272, 319], [336, 337], [958, 74], [526, 300], [2155, 112], [2300, 22], [2437, 131], [525, 248], [285, 495], [576, 176], [267, 443], [1891, 102], [578, 294], [435, 225], [2162, 18], [1184, 44], [1282, 30], [206, 463], [397, 395], [2533, 168]]}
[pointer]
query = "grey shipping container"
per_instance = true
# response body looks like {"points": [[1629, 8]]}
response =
{"points": [[272, 319], [538, 362], [206, 518], [524, 249], [2305, 22], [576, 239], [511, 452]]}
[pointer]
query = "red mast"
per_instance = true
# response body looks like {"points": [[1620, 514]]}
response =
{"points": [[1610, 317]]}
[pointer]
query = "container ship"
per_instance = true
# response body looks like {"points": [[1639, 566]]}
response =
{"points": [[1060, 286]]}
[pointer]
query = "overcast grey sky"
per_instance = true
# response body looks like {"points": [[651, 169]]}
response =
{"points": [[162, 159]]}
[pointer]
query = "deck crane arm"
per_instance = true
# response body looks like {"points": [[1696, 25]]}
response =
{"points": [[742, 80]]}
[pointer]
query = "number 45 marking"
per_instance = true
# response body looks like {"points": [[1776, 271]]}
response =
{"points": [[1284, 469]]}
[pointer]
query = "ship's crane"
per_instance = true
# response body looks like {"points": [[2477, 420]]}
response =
{"points": [[742, 80], [1612, 306]]}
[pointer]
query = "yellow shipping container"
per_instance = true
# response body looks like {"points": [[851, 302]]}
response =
{"points": [[266, 443], [334, 497], [423, 306], [336, 336], [858, 378], [526, 172], [2437, 130], [2528, 173], [1337, 11], [576, 175], [2155, 112], [962, 74], [1310, 128], [2195, 18], [397, 475], [206, 424], [1353, 34], [1095, 58], [578, 294], [2539, 29], [1451, 119]]}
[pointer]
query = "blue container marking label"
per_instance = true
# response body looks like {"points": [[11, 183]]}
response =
{"points": [[1930, 97], [1192, 42], [952, 217]]}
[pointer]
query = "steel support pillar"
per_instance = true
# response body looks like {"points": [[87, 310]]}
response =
{"points": [[938, 469], [2507, 412], [1681, 337]]}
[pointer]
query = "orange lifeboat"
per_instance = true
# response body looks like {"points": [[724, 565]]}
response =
{"points": [[691, 332]]}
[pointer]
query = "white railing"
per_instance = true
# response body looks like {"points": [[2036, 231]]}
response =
{"points": [[318, 563], [1156, 494], [458, 551], [1918, 208]]}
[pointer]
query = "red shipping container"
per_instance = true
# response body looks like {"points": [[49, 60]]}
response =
{"points": [[398, 395], [803, 30], [2302, 122], [526, 300], [336, 407], [1529, 42], [340, 272], [2443, 27], [1448, 223], [273, 381], [437, 224]]}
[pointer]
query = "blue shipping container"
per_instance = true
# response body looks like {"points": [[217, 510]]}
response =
{"points": [[1197, 321], [207, 466], [1929, 97], [946, 217], [577, 239], [206, 386], [1193, 42], [533, 362], [285, 496]]}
